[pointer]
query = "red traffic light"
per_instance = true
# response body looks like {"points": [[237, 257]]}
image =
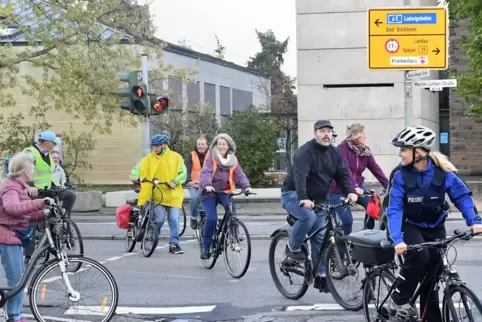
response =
{"points": [[138, 91], [162, 103]]}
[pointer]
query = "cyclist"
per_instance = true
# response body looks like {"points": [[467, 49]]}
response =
{"points": [[194, 164], [417, 213], [221, 172], [166, 166], [358, 157], [315, 165], [16, 210]]}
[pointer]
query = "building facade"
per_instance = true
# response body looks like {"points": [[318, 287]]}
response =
{"points": [[334, 81]]}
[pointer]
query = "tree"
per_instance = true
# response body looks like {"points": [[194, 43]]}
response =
{"points": [[280, 88], [76, 147], [184, 43], [255, 140], [470, 82], [220, 49]]}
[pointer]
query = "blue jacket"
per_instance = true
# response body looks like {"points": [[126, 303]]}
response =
{"points": [[457, 191]]}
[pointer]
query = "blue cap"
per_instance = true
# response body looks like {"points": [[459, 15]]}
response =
{"points": [[48, 136]]}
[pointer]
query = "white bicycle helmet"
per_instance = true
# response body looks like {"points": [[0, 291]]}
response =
{"points": [[415, 137]]}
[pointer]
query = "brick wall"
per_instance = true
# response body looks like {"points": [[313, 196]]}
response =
{"points": [[465, 132]]}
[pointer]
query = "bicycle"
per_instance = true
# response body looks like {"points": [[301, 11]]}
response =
{"points": [[72, 232], [377, 255], [226, 235], [201, 213], [51, 241], [339, 263]]}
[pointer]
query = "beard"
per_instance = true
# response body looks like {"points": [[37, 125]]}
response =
{"points": [[324, 141]]}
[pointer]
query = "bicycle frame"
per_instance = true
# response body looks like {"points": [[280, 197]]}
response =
{"points": [[229, 216]]}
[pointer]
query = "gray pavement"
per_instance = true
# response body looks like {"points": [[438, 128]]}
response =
{"points": [[167, 287]]}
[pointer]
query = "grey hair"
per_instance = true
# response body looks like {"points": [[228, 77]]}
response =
{"points": [[21, 163], [354, 128]]}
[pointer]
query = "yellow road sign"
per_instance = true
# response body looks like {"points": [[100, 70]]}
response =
{"points": [[408, 38]]}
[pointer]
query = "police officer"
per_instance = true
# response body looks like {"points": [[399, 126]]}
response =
{"points": [[417, 212]]}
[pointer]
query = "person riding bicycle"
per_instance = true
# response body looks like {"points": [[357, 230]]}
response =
{"points": [[358, 157], [166, 166], [417, 212], [43, 178], [221, 172], [16, 211], [315, 165], [194, 164]]}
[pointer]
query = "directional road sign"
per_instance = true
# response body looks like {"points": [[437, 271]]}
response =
{"points": [[408, 38]]}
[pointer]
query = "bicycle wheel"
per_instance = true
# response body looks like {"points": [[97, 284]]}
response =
{"points": [[233, 242], [44, 297], [151, 233], [371, 293], [337, 270], [208, 263], [182, 221], [288, 268], [74, 243], [469, 304], [130, 237]]}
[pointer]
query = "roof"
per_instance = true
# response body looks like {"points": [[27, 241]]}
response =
{"points": [[16, 37]]}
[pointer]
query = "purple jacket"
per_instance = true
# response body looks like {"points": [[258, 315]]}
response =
{"points": [[220, 180], [357, 165]]}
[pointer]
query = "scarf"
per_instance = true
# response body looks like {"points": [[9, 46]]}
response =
{"points": [[359, 149], [225, 163]]}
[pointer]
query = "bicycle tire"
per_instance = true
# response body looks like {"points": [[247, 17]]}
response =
{"points": [[206, 262], [130, 246], [329, 253], [459, 289], [183, 218], [367, 287], [80, 244], [152, 225], [36, 283], [248, 244], [273, 269]]}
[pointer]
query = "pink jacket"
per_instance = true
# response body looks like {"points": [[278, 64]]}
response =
{"points": [[16, 210]]}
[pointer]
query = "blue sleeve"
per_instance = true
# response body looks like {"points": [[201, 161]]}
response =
{"points": [[459, 194], [395, 209]]}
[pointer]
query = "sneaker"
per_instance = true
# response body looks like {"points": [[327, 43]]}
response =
{"points": [[404, 312], [193, 224], [299, 256], [320, 284], [175, 249], [22, 319], [205, 255]]}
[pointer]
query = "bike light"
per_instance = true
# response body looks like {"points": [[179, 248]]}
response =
{"points": [[155, 181]]}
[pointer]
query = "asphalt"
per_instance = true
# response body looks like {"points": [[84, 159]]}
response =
{"points": [[167, 287]]}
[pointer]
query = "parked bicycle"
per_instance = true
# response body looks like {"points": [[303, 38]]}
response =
{"points": [[377, 255], [339, 264], [227, 236], [46, 300]]}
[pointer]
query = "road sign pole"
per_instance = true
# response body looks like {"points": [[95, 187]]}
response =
{"points": [[146, 134], [407, 99]]}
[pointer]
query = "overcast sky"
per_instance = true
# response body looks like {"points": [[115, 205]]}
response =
{"points": [[234, 22]]}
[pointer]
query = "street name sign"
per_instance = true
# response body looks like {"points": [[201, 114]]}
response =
{"points": [[408, 38], [418, 73], [435, 83]]}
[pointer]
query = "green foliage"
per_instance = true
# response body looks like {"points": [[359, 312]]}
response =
{"points": [[76, 147], [255, 138], [220, 50], [470, 83]]}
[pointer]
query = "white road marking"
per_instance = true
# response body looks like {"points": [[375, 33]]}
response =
{"points": [[51, 318], [95, 310], [111, 259], [333, 307]]}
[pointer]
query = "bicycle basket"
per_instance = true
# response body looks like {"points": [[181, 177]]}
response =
{"points": [[123, 215]]}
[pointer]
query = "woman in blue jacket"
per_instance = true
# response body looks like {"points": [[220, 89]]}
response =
{"points": [[417, 212]]}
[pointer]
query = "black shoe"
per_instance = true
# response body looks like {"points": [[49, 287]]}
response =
{"points": [[205, 255], [299, 256], [194, 224], [26, 261], [175, 249], [320, 284]]}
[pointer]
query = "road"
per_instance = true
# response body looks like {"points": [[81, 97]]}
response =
{"points": [[177, 287]]}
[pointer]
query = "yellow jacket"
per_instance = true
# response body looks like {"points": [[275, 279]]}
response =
{"points": [[167, 167]]}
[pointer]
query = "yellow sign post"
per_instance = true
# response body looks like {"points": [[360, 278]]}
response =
{"points": [[408, 38]]}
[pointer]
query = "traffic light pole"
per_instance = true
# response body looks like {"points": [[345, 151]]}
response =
{"points": [[146, 124]]}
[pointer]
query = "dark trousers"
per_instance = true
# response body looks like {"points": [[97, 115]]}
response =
{"points": [[414, 268]]}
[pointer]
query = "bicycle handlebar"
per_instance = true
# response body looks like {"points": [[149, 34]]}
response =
{"points": [[458, 234], [155, 182], [231, 194]]}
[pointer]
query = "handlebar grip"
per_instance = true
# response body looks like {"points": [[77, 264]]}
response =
{"points": [[302, 204], [385, 244]]}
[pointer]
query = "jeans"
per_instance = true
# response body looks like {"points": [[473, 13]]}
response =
{"points": [[194, 203], [209, 204], [12, 261], [173, 219], [307, 222], [345, 215]]}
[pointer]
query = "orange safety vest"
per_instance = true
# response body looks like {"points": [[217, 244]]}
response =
{"points": [[232, 184], [196, 167]]}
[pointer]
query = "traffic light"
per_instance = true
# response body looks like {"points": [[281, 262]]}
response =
{"points": [[126, 92], [159, 104], [140, 99]]}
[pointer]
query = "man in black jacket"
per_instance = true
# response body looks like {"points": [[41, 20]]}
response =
{"points": [[315, 165]]}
